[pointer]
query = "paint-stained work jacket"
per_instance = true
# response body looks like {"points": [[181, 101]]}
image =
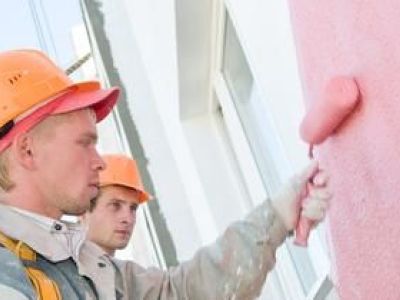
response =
{"points": [[234, 267]]}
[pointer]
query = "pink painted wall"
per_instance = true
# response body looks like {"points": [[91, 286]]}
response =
{"points": [[359, 38]]}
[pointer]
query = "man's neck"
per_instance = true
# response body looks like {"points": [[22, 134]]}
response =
{"points": [[36, 205], [109, 251]]}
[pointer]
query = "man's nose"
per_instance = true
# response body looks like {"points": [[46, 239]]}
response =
{"points": [[128, 216], [98, 162]]}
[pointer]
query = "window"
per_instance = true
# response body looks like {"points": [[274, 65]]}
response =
{"points": [[244, 94]]}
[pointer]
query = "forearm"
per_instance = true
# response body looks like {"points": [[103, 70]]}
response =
{"points": [[239, 261]]}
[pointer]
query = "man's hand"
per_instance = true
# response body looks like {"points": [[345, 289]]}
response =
{"points": [[287, 203]]}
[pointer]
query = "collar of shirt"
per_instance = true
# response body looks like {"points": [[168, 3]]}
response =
{"points": [[41, 233], [48, 224]]}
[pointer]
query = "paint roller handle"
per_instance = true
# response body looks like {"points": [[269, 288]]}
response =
{"points": [[303, 230], [304, 224]]}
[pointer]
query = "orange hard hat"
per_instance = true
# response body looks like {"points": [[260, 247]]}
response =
{"points": [[31, 84], [122, 170]]}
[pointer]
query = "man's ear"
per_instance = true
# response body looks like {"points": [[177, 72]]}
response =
{"points": [[23, 150]]}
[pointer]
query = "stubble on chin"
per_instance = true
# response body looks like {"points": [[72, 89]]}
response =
{"points": [[76, 209]]}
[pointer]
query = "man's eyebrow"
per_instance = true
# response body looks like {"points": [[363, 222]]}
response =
{"points": [[122, 201], [92, 136], [117, 200]]}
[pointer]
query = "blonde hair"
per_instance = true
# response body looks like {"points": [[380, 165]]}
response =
{"points": [[42, 129], [6, 184]]}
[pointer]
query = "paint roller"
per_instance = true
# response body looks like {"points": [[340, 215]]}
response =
{"points": [[340, 98]]}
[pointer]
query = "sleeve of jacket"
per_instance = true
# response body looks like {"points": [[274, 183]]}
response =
{"points": [[233, 267]]}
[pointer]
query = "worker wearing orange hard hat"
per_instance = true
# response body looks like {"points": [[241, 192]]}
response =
{"points": [[112, 214], [111, 219], [49, 166]]}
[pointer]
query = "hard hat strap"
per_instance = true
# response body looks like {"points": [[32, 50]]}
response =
{"points": [[6, 128]]}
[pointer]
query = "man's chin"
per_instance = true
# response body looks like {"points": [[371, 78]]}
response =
{"points": [[77, 210], [122, 245]]}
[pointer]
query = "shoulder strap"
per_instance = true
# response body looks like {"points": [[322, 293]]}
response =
{"points": [[46, 288]]}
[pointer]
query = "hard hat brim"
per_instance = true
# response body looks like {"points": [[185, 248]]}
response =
{"points": [[77, 96], [89, 95], [143, 195]]}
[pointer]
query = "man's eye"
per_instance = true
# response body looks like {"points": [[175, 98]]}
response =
{"points": [[116, 205], [85, 142]]}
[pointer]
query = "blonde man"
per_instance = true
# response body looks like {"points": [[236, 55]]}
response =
{"points": [[49, 167]]}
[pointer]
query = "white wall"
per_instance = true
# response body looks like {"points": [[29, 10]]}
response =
{"points": [[147, 67]]}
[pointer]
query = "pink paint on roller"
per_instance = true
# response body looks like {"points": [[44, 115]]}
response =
{"points": [[340, 98]]}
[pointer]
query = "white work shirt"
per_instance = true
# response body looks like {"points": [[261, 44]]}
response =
{"points": [[70, 235]]}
